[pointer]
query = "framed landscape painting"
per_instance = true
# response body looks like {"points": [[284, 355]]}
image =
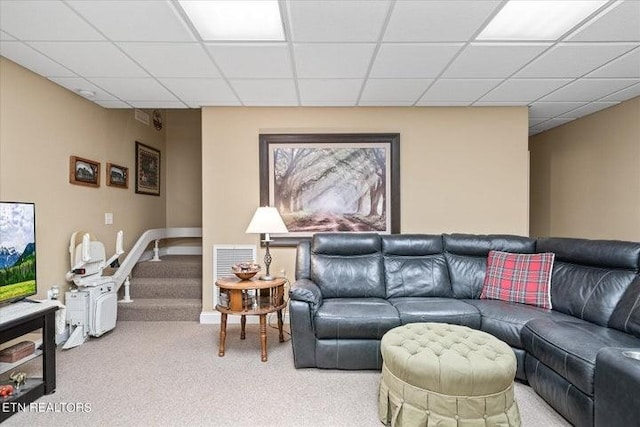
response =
{"points": [[117, 176], [84, 172], [331, 183]]}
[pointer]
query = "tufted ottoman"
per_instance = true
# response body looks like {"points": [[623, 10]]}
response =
{"points": [[446, 375]]}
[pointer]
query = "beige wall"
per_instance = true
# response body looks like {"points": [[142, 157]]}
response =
{"points": [[462, 169], [184, 168], [585, 176], [41, 125]]}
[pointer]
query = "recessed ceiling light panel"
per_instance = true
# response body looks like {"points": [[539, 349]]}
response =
{"points": [[235, 20], [538, 19]]}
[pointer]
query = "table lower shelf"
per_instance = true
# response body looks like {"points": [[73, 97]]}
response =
{"points": [[20, 400]]}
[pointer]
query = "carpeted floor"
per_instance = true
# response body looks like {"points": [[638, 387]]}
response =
{"points": [[169, 374]]}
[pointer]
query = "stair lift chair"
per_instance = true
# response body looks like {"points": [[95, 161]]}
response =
{"points": [[92, 307]]}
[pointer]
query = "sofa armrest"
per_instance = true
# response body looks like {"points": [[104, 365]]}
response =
{"points": [[617, 387], [307, 291]]}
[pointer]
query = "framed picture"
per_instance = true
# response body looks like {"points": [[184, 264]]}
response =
{"points": [[84, 172], [147, 170], [331, 182], [117, 176]]}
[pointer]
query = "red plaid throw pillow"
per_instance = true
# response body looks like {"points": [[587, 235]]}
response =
{"points": [[523, 278]]}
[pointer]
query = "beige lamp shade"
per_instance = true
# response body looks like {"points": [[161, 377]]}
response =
{"points": [[266, 220]]}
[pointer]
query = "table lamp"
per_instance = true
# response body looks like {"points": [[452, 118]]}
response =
{"points": [[266, 220]]}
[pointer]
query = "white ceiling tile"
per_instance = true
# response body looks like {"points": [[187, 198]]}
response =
{"points": [[573, 59], [624, 94], [589, 89], [91, 59], [326, 91], [590, 108], [75, 84], [535, 122], [158, 104], [140, 20], [452, 90], [443, 104], [524, 90], [552, 109], [260, 92], [134, 89], [113, 104], [408, 90], [44, 20], [621, 22], [240, 61], [500, 104], [337, 20], [627, 65], [412, 60], [324, 60], [548, 124], [493, 59], [437, 20], [22, 54], [214, 91], [385, 103], [171, 59], [5, 36]]}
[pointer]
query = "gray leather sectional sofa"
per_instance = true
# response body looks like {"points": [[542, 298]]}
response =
{"points": [[352, 288]]}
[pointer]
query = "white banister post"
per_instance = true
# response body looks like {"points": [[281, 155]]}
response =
{"points": [[127, 294], [156, 252]]}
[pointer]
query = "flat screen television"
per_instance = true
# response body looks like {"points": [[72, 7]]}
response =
{"points": [[17, 251]]}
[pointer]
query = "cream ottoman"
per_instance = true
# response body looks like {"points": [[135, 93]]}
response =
{"points": [[435, 374]]}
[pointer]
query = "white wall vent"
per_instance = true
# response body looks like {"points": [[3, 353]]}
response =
{"points": [[224, 256], [141, 116]]}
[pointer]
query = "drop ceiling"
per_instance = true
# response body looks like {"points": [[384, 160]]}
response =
{"points": [[146, 54]]}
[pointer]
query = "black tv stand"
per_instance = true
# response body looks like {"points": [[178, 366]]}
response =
{"points": [[16, 323], [30, 300]]}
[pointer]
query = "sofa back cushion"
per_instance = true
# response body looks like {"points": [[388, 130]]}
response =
{"points": [[626, 315], [415, 266], [590, 276], [347, 265], [467, 254]]}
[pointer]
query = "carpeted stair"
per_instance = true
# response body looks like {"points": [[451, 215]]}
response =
{"points": [[170, 289]]}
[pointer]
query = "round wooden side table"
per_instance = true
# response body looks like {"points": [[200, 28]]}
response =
{"points": [[250, 297]]}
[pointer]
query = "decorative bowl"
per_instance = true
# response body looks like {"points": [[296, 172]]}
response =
{"points": [[245, 270]]}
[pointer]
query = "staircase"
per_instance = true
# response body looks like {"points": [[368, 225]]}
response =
{"points": [[170, 289]]}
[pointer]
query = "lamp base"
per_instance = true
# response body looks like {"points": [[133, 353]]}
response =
{"points": [[267, 277]]}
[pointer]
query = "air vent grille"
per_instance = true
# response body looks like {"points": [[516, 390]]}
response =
{"points": [[224, 256]]}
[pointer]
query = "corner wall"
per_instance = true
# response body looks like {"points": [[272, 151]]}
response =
{"points": [[184, 168], [585, 176], [41, 126], [462, 169]]}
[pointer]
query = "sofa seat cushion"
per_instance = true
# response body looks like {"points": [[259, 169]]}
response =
{"points": [[505, 320], [570, 347], [363, 318], [432, 309]]}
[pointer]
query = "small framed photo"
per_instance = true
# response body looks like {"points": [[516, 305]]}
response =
{"points": [[84, 172], [147, 170], [117, 176]]}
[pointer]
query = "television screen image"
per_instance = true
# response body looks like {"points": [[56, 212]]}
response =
{"points": [[17, 251]]}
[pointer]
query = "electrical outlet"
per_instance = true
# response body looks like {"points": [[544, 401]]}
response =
{"points": [[108, 218]]}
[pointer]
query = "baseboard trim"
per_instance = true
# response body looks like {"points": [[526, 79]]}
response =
{"points": [[213, 318]]}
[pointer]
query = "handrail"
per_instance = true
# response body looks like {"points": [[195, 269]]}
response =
{"points": [[138, 249]]}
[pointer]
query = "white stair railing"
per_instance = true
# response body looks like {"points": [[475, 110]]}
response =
{"points": [[121, 276]]}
